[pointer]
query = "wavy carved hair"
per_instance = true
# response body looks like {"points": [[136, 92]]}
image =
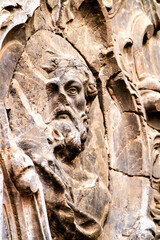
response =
{"points": [[58, 65]]}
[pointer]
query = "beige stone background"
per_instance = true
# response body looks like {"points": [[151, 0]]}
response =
{"points": [[119, 40]]}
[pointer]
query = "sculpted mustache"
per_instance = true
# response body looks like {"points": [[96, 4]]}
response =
{"points": [[61, 110]]}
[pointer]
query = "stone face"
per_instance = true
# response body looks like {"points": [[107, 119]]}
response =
{"points": [[79, 120]]}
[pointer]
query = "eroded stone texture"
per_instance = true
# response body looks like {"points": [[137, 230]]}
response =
{"points": [[136, 36], [79, 120], [54, 90], [13, 13]]}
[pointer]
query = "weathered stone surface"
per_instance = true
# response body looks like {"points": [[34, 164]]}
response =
{"points": [[79, 120], [126, 207], [9, 57], [51, 128], [136, 38], [13, 13]]}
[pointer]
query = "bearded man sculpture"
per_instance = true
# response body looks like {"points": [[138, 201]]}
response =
{"points": [[55, 89], [67, 94]]}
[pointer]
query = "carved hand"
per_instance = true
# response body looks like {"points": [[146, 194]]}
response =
{"points": [[23, 172]]}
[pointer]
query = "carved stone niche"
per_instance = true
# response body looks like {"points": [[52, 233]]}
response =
{"points": [[53, 156], [54, 130]]}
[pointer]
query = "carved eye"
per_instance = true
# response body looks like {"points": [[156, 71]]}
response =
{"points": [[52, 89], [72, 91]]}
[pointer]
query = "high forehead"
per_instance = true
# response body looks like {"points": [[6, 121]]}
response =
{"points": [[66, 79], [72, 76]]}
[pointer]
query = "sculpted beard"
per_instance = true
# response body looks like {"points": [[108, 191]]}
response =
{"points": [[69, 133], [70, 91]]}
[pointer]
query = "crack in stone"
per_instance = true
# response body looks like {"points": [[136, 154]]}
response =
{"points": [[129, 175], [92, 69], [135, 112]]}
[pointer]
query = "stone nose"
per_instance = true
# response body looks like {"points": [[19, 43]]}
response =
{"points": [[62, 98]]}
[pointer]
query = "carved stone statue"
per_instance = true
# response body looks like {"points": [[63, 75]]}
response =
{"points": [[79, 120], [55, 91]]}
